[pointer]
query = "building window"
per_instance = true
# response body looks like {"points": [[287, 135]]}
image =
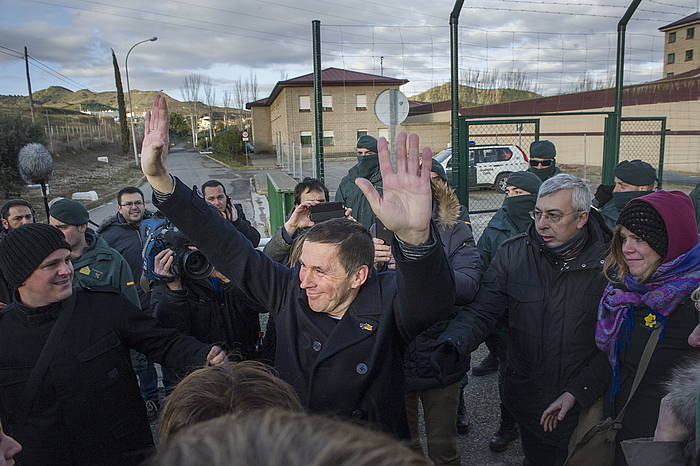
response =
{"points": [[690, 33], [671, 58], [688, 55], [305, 138], [361, 132], [669, 75], [671, 37], [304, 103], [361, 102], [328, 138], [383, 133], [327, 102]]}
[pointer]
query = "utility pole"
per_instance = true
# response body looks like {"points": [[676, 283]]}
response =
{"points": [[29, 81]]}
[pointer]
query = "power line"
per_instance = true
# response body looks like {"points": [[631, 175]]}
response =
{"points": [[52, 71], [558, 13], [540, 2]]}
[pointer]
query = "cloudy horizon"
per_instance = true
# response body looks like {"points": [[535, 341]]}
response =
{"points": [[558, 43]]}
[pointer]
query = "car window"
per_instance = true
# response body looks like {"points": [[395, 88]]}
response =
{"points": [[504, 154]]}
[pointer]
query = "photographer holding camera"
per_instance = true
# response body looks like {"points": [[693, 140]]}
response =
{"points": [[209, 308]]}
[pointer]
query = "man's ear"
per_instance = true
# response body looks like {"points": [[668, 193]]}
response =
{"points": [[359, 276], [582, 220], [5, 224]]}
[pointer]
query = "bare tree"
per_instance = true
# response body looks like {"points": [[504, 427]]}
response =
{"points": [[588, 82], [209, 96], [226, 101], [190, 93], [252, 87]]}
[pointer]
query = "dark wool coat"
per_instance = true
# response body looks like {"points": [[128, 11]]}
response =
{"points": [[671, 351], [88, 410], [458, 243], [355, 371], [552, 313]]}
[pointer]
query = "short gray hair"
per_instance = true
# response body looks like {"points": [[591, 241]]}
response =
{"points": [[581, 195]]}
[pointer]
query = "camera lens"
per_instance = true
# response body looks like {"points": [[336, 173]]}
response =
{"points": [[195, 265]]}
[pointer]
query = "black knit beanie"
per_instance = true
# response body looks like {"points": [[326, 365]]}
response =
{"points": [[644, 221], [24, 248]]}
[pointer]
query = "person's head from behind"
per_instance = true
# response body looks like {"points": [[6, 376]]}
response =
{"points": [[214, 391], [276, 437], [9, 448], [131, 204], [562, 208], [310, 189], [634, 176], [651, 230], [335, 259], [214, 193], [35, 260], [15, 213]]}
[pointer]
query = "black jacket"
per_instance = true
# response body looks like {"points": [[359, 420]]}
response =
{"points": [[126, 239], [552, 314], [211, 316], [499, 229], [88, 410], [671, 350], [426, 365], [355, 371]]}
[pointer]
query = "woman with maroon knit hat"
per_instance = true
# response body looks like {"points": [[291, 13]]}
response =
{"points": [[653, 267]]}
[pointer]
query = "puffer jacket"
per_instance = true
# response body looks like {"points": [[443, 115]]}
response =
{"points": [[551, 308], [458, 243]]}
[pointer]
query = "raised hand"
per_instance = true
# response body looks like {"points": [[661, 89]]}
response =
{"points": [[154, 150], [405, 206]]}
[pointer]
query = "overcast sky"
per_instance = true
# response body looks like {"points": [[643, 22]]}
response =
{"points": [[555, 42]]}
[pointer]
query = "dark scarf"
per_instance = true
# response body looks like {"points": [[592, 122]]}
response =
{"points": [[545, 173], [672, 282], [518, 210], [367, 165], [621, 199], [570, 249]]}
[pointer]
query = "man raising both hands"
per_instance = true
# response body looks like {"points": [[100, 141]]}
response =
{"points": [[341, 327]]}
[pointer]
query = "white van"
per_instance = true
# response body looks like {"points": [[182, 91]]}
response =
{"points": [[489, 165]]}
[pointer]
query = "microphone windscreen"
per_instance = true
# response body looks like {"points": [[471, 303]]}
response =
{"points": [[35, 163]]}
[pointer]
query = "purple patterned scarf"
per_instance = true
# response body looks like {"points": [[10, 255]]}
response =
{"points": [[672, 282]]}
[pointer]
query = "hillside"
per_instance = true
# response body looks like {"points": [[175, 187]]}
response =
{"points": [[472, 96], [60, 97]]}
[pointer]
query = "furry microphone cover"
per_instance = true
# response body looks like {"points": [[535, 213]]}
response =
{"points": [[35, 163]]}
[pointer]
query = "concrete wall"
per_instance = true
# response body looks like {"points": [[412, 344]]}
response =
{"points": [[262, 131]]}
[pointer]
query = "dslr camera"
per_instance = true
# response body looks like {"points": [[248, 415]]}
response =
{"points": [[160, 234]]}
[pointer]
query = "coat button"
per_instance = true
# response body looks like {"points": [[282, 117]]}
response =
{"points": [[361, 368], [357, 414], [316, 346]]}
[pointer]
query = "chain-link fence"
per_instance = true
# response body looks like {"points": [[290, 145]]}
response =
{"points": [[643, 139], [297, 159]]}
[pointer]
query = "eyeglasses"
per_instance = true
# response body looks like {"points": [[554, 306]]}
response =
{"points": [[544, 163], [132, 204], [551, 217]]}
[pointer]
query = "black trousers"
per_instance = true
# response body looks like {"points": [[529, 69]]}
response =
{"points": [[538, 453]]}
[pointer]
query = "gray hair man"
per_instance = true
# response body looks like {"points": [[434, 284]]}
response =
{"points": [[548, 280]]}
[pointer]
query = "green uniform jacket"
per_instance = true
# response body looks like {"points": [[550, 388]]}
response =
{"points": [[101, 265], [350, 195], [499, 229]]}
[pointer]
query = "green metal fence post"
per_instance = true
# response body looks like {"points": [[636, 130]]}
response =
{"points": [[457, 162], [662, 150], [318, 99]]}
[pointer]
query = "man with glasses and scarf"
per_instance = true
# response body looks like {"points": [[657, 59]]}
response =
{"points": [[367, 167], [543, 162], [548, 282]]}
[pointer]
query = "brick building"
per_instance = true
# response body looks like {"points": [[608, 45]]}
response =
{"points": [[682, 45]]}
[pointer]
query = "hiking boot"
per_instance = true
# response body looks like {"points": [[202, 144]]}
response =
{"points": [[152, 410], [487, 366]]}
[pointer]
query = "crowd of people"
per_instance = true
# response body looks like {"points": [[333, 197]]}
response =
{"points": [[588, 305]]}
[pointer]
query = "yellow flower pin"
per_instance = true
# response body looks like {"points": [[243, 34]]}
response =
{"points": [[650, 320]]}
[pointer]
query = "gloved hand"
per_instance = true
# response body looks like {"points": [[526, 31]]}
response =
{"points": [[603, 194]]}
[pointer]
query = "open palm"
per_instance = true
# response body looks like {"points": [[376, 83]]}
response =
{"points": [[156, 138], [405, 206]]}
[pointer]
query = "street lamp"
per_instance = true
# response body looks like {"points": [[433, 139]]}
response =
{"points": [[128, 88]]}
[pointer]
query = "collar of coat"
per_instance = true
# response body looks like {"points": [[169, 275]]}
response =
{"points": [[446, 206]]}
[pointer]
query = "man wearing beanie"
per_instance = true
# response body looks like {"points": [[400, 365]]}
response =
{"points": [[543, 161], [94, 262], [548, 283], [367, 167], [513, 218], [633, 178], [67, 390]]}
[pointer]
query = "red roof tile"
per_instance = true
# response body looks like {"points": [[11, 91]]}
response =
{"points": [[688, 19]]}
